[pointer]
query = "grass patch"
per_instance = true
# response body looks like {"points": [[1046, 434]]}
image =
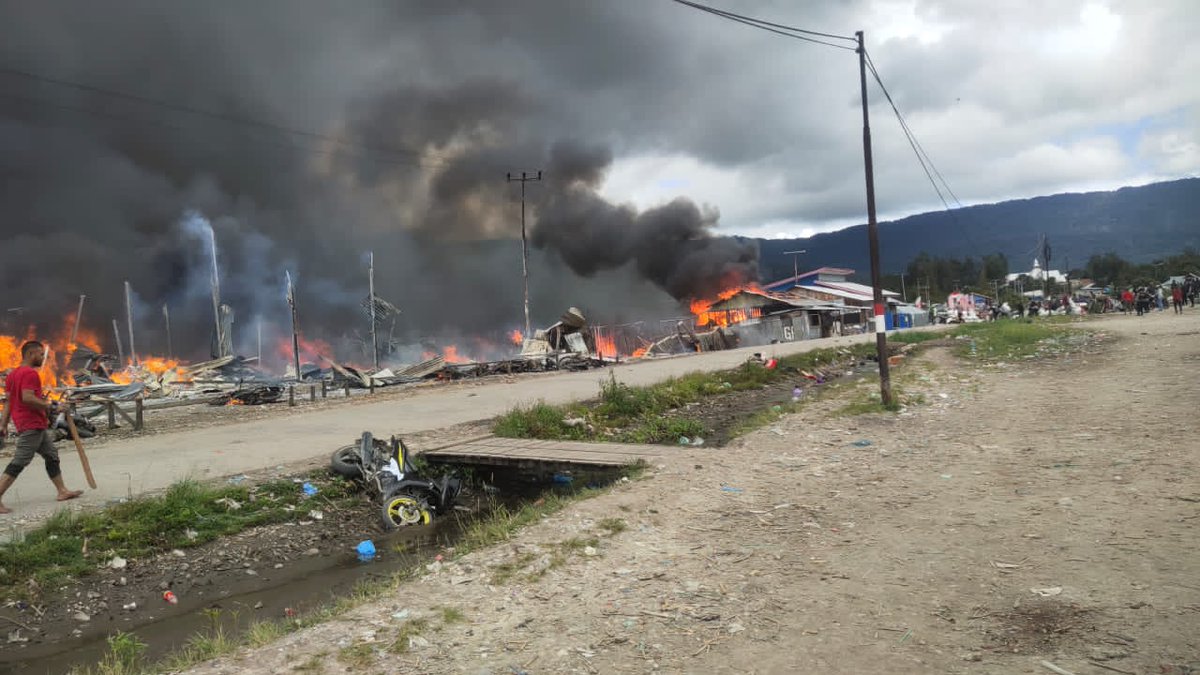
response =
{"points": [[452, 615], [614, 525], [1013, 339], [314, 664], [264, 632], [188, 514], [124, 656], [914, 337], [410, 629], [651, 414], [357, 656], [206, 645]]}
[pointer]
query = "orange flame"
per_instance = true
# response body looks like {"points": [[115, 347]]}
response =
{"points": [[310, 350], [450, 355], [705, 316], [606, 345], [640, 352], [59, 350], [516, 338]]}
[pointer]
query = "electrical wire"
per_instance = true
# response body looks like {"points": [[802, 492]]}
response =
{"points": [[777, 28], [922, 157], [410, 156]]}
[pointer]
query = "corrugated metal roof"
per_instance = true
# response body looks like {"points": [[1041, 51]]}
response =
{"points": [[855, 288], [832, 271]]}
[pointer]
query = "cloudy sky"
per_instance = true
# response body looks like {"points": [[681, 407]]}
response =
{"points": [[309, 131], [1010, 99]]}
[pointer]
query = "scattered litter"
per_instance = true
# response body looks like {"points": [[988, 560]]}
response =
{"points": [[1050, 666], [734, 628], [178, 553], [129, 606], [401, 615], [777, 408], [563, 478], [310, 490], [289, 612], [170, 597], [80, 616], [15, 636], [365, 550], [1047, 592], [417, 642], [735, 490], [946, 476], [943, 395], [590, 551], [1005, 566], [231, 504], [117, 563], [237, 480], [258, 605], [191, 534], [684, 440], [861, 443], [778, 431], [316, 515], [797, 394]]}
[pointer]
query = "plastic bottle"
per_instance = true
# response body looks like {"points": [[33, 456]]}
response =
{"points": [[170, 597]]}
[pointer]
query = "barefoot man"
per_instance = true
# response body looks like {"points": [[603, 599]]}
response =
{"points": [[27, 407]]}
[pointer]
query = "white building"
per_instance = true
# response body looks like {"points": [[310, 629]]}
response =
{"points": [[1037, 274]]}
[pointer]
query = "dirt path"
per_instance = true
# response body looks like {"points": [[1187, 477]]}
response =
{"points": [[796, 549]]}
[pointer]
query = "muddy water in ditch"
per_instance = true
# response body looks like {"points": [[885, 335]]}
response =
{"points": [[306, 585]]}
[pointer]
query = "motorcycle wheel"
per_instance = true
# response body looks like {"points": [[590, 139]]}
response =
{"points": [[401, 509], [347, 463]]}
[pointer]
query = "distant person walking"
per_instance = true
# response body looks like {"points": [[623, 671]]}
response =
{"points": [[27, 407], [1177, 297], [1159, 298]]}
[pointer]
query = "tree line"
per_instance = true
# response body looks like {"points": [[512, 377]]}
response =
{"points": [[936, 277]]}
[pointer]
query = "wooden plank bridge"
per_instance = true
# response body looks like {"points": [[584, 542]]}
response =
{"points": [[495, 451]]}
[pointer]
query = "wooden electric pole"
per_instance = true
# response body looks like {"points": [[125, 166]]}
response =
{"points": [[371, 301], [291, 300], [885, 384], [523, 179]]}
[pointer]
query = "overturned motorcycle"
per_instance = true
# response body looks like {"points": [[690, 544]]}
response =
{"points": [[386, 470]]}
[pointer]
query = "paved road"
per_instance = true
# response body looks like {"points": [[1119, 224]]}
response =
{"points": [[139, 465]]}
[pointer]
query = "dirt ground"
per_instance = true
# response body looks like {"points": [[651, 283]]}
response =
{"points": [[1044, 510]]}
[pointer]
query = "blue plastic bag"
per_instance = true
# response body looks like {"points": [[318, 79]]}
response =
{"points": [[366, 550]]}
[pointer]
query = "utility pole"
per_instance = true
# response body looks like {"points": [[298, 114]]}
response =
{"points": [[258, 325], [903, 290], [120, 349], [795, 263], [885, 384], [523, 179], [75, 326], [1045, 246], [129, 321], [371, 291], [291, 300], [167, 320], [215, 282]]}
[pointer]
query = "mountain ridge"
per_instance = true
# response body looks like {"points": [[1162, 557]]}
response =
{"points": [[1140, 223]]}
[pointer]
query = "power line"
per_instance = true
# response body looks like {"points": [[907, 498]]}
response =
{"points": [[777, 28], [410, 155], [922, 157]]}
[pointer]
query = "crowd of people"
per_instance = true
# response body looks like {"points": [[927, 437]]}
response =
{"points": [[1144, 299]]}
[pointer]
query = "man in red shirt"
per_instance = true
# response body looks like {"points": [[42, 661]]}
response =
{"points": [[27, 407]]}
